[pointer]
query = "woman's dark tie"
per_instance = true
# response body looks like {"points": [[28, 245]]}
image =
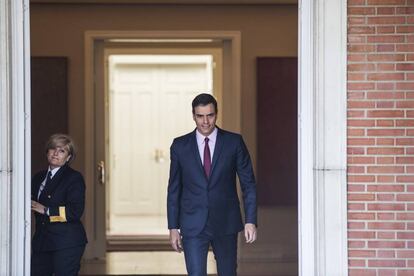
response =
{"points": [[43, 185]]}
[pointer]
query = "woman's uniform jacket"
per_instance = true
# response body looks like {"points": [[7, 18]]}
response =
{"points": [[65, 197]]}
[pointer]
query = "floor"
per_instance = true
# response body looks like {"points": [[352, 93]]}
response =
{"points": [[138, 225], [275, 253], [141, 263]]}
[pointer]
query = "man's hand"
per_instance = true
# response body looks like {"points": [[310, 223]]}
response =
{"points": [[250, 232], [37, 207], [175, 240]]}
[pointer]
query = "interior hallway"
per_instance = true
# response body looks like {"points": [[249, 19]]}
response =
{"points": [[54, 34], [273, 254]]}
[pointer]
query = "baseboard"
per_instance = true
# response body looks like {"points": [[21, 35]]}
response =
{"points": [[138, 243]]}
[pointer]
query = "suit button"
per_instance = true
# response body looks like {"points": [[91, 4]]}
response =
{"points": [[48, 196], [43, 223]]}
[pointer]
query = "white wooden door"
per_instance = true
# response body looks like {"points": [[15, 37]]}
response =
{"points": [[149, 105]]}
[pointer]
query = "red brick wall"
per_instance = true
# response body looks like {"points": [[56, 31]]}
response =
{"points": [[381, 137]]}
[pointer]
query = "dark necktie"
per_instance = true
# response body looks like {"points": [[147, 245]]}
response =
{"points": [[43, 185], [207, 158]]}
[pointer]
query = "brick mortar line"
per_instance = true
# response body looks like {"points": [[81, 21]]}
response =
{"points": [[376, 108], [376, 268], [365, 73], [361, 32], [383, 220], [384, 184], [382, 108], [378, 44], [374, 5], [380, 183], [383, 267], [381, 100], [403, 231], [383, 118], [381, 165], [370, 201], [379, 53], [386, 248], [379, 155], [378, 201], [386, 258], [381, 202], [384, 146], [380, 63], [381, 248], [361, 35], [382, 71], [375, 239], [376, 15]]}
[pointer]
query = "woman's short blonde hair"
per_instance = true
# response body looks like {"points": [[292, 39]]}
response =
{"points": [[64, 140]]}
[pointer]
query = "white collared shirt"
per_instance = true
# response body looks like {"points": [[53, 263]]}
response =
{"points": [[211, 143], [53, 171]]}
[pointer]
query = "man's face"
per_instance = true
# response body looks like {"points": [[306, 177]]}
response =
{"points": [[205, 117]]}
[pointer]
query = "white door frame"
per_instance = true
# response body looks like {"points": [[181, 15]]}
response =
{"points": [[321, 123], [231, 101], [15, 138], [188, 56], [322, 189]]}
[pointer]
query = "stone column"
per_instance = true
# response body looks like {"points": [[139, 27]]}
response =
{"points": [[14, 138]]}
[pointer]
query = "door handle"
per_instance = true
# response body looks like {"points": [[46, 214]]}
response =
{"points": [[101, 172], [159, 156]]}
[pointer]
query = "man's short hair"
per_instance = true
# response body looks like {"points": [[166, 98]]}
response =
{"points": [[204, 99]]}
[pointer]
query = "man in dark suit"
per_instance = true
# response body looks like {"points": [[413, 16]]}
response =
{"points": [[202, 204]]}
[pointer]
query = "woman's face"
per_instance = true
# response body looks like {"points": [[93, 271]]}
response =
{"points": [[58, 156]]}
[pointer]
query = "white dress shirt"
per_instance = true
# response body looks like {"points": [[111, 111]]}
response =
{"points": [[54, 171]]}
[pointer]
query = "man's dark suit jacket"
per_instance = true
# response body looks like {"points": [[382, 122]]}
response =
{"points": [[65, 197], [192, 198]]}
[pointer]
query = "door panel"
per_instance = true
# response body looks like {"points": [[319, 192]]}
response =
{"points": [[277, 150], [149, 105]]}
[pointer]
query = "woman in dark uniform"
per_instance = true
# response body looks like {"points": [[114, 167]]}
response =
{"points": [[58, 201]]}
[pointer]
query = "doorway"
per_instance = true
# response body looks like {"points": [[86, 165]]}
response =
{"points": [[139, 84], [143, 92], [305, 13]]}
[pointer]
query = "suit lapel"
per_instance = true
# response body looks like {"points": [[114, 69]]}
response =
{"points": [[50, 187], [217, 149], [37, 184], [196, 152]]}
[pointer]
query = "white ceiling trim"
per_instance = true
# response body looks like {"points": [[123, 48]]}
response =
{"points": [[170, 2]]}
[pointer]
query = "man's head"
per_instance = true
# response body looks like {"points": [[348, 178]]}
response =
{"points": [[205, 113], [204, 99]]}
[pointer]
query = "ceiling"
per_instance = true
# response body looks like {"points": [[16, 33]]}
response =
{"points": [[174, 2]]}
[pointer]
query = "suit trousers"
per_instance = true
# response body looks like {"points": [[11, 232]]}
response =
{"points": [[224, 249], [63, 262]]}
